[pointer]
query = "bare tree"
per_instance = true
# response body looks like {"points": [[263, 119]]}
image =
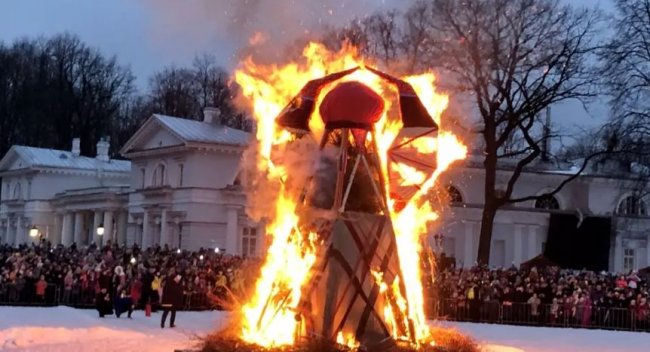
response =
{"points": [[185, 92], [383, 37], [172, 92], [626, 68], [52, 89], [415, 37], [515, 58]]}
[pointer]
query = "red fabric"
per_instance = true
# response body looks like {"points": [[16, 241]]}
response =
{"points": [[41, 285], [136, 291], [351, 104]]}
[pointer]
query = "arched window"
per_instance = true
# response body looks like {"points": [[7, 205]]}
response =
{"points": [[18, 192], [547, 202], [159, 177], [631, 205], [454, 195]]}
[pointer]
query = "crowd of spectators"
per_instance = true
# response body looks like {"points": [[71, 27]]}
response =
{"points": [[46, 274], [546, 296]]}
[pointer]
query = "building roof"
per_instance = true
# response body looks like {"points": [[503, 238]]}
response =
{"points": [[42, 157], [199, 131]]}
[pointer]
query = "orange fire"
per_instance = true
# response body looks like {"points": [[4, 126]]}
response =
{"points": [[269, 315]]}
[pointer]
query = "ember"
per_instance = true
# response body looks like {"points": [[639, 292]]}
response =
{"points": [[345, 160]]}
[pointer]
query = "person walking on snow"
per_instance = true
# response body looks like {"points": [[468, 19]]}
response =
{"points": [[172, 299]]}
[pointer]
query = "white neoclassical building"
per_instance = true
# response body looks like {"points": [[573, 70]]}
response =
{"points": [[521, 231], [184, 190], [180, 188], [62, 195]]}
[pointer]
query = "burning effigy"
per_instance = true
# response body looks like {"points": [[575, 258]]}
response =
{"points": [[345, 159]]}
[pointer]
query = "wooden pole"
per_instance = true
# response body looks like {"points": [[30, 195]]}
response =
{"points": [[377, 162], [350, 181], [342, 166]]}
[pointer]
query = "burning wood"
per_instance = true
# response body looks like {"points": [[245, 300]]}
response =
{"points": [[337, 268]]}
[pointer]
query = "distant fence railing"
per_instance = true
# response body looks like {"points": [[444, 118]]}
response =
{"points": [[544, 315], [462, 310], [19, 295]]}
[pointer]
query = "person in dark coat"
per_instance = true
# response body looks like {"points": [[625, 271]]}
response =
{"points": [[172, 299], [147, 279], [123, 303], [103, 303]]}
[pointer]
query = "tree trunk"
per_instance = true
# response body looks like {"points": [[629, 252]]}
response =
{"points": [[490, 205], [485, 238]]}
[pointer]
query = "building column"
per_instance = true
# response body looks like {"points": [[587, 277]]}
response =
{"points": [[647, 252], [177, 233], [20, 233], [231, 229], [66, 229], [122, 219], [618, 253], [108, 227], [468, 257], [97, 220], [55, 235], [164, 229], [517, 244], [8, 236], [533, 249], [78, 228], [146, 231]]}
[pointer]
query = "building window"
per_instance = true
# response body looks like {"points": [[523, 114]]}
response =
{"points": [[18, 192], [181, 169], [547, 202], [628, 259], [142, 174], [454, 195], [159, 177], [632, 205], [249, 242]]}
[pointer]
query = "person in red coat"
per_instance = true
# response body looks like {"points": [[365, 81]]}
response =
{"points": [[41, 285], [136, 290]]}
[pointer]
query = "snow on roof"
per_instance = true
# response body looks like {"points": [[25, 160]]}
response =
{"points": [[41, 157], [198, 131]]}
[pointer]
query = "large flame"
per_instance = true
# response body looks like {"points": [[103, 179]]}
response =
{"points": [[269, 316]]}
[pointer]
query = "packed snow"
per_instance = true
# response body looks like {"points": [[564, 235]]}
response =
{"points": [[66, 329]]}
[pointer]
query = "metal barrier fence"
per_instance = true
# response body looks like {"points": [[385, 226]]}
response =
{"points": [[456, 310], [545, 315], [19, 295]]}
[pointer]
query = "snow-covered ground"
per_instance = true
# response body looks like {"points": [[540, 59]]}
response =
{"points": [[76, 330]]}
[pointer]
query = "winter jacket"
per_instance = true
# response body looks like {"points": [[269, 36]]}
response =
{"points": [[136, 290], [155, 284], [172, 294], [41, 285]]}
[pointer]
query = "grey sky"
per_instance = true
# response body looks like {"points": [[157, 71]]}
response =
{"points": [[150, 34]]}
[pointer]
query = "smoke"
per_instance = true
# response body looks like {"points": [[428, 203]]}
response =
{"points": [[262, 28], [298, 158]]}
